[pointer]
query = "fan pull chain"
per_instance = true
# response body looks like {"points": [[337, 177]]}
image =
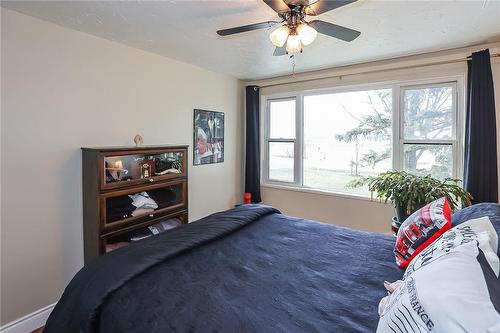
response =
{"points": [[293, 65]]}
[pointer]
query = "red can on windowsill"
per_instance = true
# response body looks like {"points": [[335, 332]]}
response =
{"points": [[247, 198]]}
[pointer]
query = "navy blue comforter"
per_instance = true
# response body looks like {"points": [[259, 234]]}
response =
{"points": [[492, 210], [249, 269]]}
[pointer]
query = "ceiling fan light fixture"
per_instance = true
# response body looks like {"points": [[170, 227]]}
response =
{"points": [[306, 33], [293, 44], [279, 36]]}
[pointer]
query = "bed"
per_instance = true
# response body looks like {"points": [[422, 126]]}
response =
{"points": [[248, 269]]}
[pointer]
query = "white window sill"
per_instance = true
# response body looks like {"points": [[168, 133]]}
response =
{"points": [[321, 192]]}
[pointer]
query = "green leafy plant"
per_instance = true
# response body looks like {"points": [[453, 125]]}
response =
{"points": [[409, 192], [168, 161]]}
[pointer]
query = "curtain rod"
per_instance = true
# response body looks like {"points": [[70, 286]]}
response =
{"points": [[495, 55]]}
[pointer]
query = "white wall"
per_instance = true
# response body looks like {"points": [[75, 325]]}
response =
{"points": [[354, 213], [62, 90], [351, 212]]}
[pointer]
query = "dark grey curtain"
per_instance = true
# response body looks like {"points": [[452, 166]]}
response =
{"points": [[252, 157], [481, 176]]}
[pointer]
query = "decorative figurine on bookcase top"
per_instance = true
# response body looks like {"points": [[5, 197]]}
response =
{"points": [[138, 140]]}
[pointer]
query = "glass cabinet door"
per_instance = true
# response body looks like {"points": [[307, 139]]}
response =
{"points": [[149, 202], [142, 167]]}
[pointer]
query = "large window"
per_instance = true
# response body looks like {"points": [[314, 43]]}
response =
{"points": [[328, 140]]}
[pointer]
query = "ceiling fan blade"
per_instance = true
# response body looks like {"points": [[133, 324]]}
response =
{"points": [[334, 30], [279, 51], [243, 28], [277, 5], [322, 6]]}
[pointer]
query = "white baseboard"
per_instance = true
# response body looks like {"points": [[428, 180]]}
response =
{"points": [[29, 322]]}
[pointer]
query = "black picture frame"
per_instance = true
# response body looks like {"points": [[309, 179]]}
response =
{"points": [[208, 137]]}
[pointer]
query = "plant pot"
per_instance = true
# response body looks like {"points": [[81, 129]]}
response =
{"points": [[402, 213]]}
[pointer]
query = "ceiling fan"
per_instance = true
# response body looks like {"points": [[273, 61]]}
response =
{"points": [[296, 31]]}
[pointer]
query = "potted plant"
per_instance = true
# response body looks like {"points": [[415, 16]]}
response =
{"points": [[410, 192]]}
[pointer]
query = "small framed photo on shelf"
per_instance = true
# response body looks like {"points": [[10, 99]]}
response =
{"points": [[147, 168], [208, 137]]}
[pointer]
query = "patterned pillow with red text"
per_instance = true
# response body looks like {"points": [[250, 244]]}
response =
{"points": [[420, 229]]}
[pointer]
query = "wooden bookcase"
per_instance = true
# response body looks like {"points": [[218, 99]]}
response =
{"points": [[114, 176]]}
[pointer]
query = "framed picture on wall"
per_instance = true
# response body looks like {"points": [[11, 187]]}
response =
{"points": [[208, 137]]}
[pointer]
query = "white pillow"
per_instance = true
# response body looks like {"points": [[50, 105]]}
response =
{"points": [[448, 287], [479, 231]]}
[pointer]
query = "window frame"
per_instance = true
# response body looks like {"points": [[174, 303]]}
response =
{"points": [[268, 140], [398, 141], [453, 141]]}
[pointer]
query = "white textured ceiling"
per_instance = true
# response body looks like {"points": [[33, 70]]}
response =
{"points": [[185, 30]]}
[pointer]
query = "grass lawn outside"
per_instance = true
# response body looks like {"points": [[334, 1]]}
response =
{"points": [[327, 180]]}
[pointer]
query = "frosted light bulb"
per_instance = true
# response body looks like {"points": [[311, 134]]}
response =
{"points": [[293, 44], [278, 37], [306, 33]]}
